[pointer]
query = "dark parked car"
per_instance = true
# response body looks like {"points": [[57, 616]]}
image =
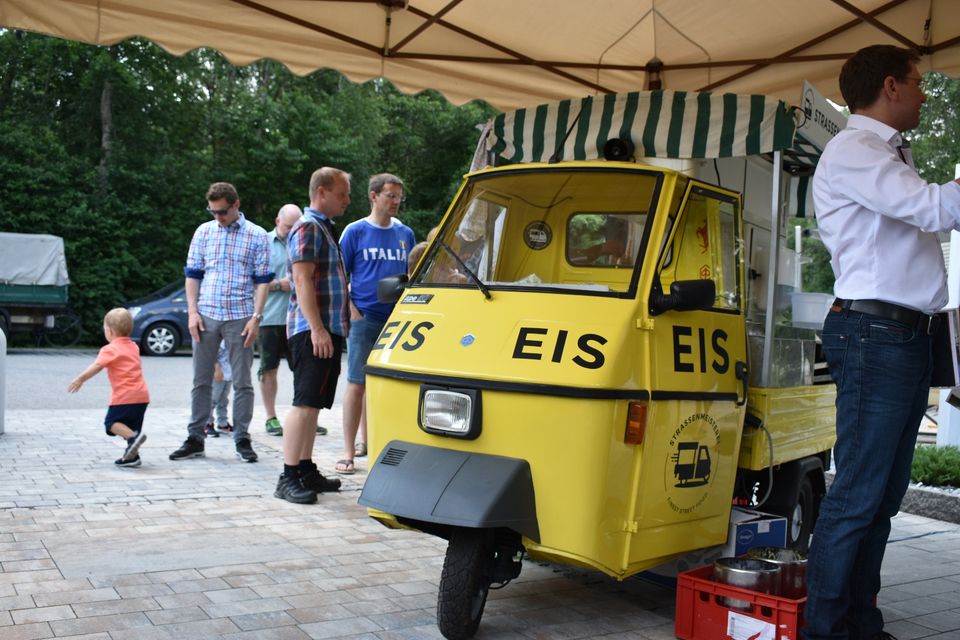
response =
{"points": [[160, 320]]}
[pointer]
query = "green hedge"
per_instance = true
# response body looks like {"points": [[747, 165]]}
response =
{"points": [[936, 466]]}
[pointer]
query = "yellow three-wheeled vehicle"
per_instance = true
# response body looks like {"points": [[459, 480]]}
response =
{"points": [[566, 375]]}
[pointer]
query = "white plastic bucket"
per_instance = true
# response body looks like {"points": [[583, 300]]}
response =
{"points": [[809, 309]]}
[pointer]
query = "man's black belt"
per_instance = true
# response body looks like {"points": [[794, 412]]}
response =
{"points": [[890, 311]]}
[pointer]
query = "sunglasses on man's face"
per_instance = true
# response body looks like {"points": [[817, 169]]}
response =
{"points": [[218, 212]]}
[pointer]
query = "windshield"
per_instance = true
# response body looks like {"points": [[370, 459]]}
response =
{"points": [[577, 230]]}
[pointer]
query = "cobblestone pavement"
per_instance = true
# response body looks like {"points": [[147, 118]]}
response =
{"points": [[200, 548]]}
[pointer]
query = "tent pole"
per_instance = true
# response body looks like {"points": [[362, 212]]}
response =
{"points": [[774, 260]]}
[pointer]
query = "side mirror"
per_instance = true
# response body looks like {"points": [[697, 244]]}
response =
{"points": [[390, 289], [685, 295]]}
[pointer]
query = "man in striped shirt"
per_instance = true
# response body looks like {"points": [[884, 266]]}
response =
{"points": [[227, 273], [317, 322]]}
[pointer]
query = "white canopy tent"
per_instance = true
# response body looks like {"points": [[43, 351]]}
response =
{"points": [[515, 53]]}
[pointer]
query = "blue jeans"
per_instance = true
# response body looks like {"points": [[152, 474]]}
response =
{"points": [[882, 370]]}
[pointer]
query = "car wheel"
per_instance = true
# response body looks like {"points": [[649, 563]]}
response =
{"points": [[160, 339]]}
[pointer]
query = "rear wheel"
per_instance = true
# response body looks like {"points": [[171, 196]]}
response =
{"points": [[800, 516], [160, 339], [65, 331], [464, 583]]}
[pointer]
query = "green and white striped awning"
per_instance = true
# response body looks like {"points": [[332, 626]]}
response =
{"points": [[661, 124]]}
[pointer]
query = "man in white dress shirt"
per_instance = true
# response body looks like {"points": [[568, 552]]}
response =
{"points": [[879, 220]]}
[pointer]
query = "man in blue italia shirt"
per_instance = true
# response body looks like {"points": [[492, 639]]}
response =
{"points": [[227, 272], [373, 248], [879, 220]]}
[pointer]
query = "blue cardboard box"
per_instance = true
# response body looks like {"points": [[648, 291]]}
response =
{"points": [[749, 529]]}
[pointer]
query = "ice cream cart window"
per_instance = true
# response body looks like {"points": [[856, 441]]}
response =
{"points": [[534, 229], [706, 247], [605, 239]]}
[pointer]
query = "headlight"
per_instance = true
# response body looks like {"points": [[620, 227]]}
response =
{"points": [[134, 311], [450, 412]]}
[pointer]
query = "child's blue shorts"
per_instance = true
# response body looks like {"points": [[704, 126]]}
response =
{"points": [[128, 414]]}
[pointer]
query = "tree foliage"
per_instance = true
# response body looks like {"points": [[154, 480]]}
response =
{"points": [[113, 149]]}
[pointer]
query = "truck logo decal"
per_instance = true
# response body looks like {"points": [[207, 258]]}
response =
{"points": [[417, 298], [467, 340], [691, 464], [537, 235], [688, 472], [536, 343]]}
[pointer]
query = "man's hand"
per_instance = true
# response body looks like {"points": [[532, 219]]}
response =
{"points": [[250, 331], [195, 325], [322, 343], [285, 284], [75, 385]]}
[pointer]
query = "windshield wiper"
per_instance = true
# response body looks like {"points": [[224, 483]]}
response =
{"points": [[453, 254]]}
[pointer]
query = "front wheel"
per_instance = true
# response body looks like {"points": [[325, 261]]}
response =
{"points": [[464, 583]]}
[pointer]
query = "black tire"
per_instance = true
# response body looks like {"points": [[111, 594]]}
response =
{"points": [[66, 330], [160, 339], [801, 516], [5, 325], [464, 583]]}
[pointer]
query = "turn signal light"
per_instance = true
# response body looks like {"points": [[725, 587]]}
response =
{"points": [[636, 423]]}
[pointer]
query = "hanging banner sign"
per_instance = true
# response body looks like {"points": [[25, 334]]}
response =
{"points": [[822, 119]]}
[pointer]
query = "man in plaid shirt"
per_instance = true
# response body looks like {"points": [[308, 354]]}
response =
{"points": [[317, 322], [227, 273]]}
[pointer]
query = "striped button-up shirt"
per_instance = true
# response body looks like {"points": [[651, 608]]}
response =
{"points": [[311, 240], [228, 261]]}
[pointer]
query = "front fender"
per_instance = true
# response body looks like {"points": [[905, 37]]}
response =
{"points": [[453, 488]]}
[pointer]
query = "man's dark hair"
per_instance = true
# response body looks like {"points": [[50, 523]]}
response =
{"points": [[223, 190], [862, 76], [379, 181]]}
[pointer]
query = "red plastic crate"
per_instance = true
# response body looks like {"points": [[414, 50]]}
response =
{"points": [[701, 616]]}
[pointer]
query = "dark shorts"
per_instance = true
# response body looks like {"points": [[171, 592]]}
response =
{"points": [[273, 346], [314, 379], [128, 414]]}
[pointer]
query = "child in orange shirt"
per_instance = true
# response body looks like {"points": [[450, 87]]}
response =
{"points": [[129, 396]]}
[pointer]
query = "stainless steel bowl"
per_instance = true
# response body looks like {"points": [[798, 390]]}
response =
{"points": [[793, 569], [747, 573]]}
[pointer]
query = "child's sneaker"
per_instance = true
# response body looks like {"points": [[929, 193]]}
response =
{"points": [[128, 463], [133, 446], [210, 431]]}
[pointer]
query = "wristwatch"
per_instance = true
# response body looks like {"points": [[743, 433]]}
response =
{"points": [[258, 317]]}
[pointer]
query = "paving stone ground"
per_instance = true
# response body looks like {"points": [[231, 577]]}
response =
{"points": [[201, 549]]}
